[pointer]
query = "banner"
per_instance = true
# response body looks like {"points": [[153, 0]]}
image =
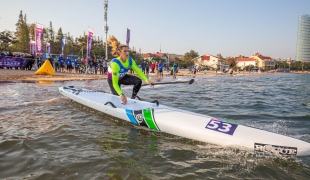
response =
{"points": [[63, 43], [128, 37], [89, 41], [205, 58], [32, 47], [39, 32], [14, 62], [48, 48]]}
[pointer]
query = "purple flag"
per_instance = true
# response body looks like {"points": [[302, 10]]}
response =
{"points": [[89, 40], [48, 48], [32, 47], [128, 37], [39, 32]]}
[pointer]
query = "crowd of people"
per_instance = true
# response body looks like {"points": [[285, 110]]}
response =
{"points": [[94, 66], [16, 54], [79, 65], [158, 68]]}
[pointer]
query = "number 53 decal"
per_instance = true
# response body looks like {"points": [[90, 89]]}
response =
{"points": [[221, 126]]}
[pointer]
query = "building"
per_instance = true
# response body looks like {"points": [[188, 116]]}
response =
{"points": [[257, 60], [158, 55], [148, 56], [264, 62], [172, 57], [246, 61], [210, 61], [303, 38], [163, 57]]}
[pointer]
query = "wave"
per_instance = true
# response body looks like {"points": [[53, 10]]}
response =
{"points": [[6, 104], [53, 100]]}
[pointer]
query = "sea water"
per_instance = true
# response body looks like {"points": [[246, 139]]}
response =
{"points": [[44, 135]]}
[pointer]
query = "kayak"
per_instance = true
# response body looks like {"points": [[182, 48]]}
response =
{"points": [[199, 127]]}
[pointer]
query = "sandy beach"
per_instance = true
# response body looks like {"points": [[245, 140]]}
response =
{"points": [[28, 75]]}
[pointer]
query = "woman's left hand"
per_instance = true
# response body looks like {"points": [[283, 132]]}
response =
{"points": [[150, 83]]}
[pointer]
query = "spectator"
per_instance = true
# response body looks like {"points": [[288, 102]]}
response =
{"points": [[56, 64], [143, 66], [147, 68], [153, 67], [105, 67], [69, 64], [160, 69], [175, 68], [51, 60], [76, 65], [61, 63]]}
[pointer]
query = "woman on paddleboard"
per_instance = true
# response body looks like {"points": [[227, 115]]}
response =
{"points": [[118, 68]]}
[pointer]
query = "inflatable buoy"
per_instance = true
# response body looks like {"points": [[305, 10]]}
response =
{"points": [[45, 69], [45, 82]]}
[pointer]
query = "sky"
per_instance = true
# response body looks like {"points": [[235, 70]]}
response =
{"points": [[229, 27]]}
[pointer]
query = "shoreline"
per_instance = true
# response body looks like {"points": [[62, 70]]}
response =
{"points": [[28, 75]]}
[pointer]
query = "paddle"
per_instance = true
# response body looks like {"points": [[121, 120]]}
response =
{"points": [[173, 82]]}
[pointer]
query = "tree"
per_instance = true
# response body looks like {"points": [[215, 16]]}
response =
{"points": [[284, 64], [81, 45], [98, 51], [51, 33], [188, 58], [177, 60], [6, 40], [69, 44], [21, 33], [232, 62], [248, 67], [58, 40], [219, 56], [32, 28], [136, 56], [156, 58], [25, 35]]}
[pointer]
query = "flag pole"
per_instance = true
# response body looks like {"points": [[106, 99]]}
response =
{"points": [[106, 28]]}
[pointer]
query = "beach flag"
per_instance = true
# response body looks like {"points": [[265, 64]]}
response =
{"points": [[89, 41], [63, 43], [128, 37], [32, 47], [39, 32], [48, 48]]}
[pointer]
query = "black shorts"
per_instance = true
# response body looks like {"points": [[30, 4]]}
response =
{"points": [[160, 71], [126, 80], [69, 67], [62, 65]]}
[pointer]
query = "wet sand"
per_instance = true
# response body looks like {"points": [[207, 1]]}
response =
{"points": [[28, 75]]}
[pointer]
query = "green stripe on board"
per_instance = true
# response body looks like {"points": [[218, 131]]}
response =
{"points": [[148, 116]]}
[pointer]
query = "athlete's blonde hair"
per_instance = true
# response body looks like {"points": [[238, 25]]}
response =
{"points": [[116, 46]]}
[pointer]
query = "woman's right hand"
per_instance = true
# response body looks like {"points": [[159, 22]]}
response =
{"points": [[124, 99]]}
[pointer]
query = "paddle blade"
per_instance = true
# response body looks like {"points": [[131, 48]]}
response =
{"points": [[191, 81]]}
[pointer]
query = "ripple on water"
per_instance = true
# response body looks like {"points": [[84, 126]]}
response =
{"points": [[44, 135]]}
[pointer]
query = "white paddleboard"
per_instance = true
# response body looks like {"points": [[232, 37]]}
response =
{"points": [[188, 124]]}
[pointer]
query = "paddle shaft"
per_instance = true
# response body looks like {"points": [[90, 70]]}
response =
{"points": [[174, 82]]}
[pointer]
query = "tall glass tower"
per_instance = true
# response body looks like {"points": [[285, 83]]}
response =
{"points": [[303, 38]]}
